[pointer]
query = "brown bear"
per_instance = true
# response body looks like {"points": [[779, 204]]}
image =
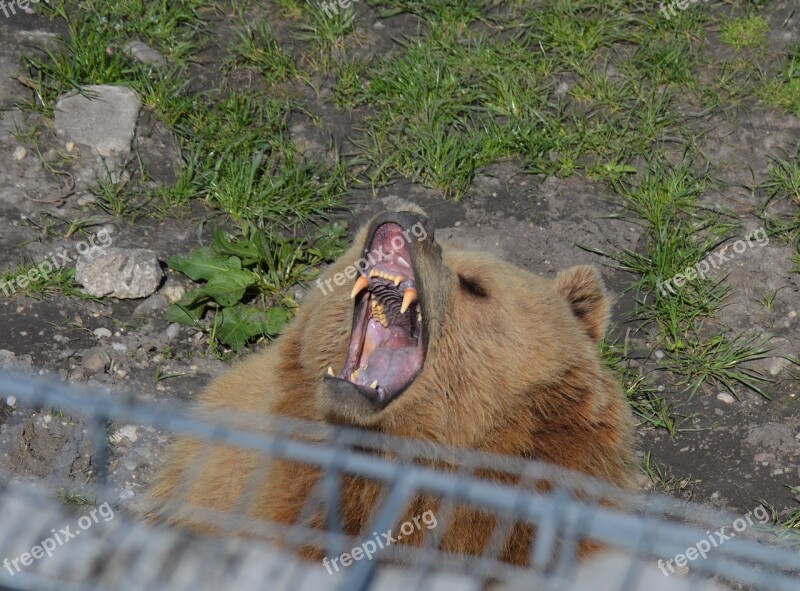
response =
{"points": [[409, 338]]}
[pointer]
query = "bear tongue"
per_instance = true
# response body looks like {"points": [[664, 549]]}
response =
{"points": [[388, 354], [389, 368]]}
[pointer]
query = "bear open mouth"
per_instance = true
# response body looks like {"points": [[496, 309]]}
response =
{"points": [[386, 349]]}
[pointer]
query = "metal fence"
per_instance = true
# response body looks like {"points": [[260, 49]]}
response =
{"points": [[564, 509]]}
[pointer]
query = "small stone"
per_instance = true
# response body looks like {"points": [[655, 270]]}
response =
{"points": [[142, 452], [173, 292], [173, 330], [129, 432], [101, 116], [144, 53], [778, 472], [11, 401], [65, 354], [126, 494], [102, 333], [726, 398], [95, 360], [152, 306], [762, 458], [77, 375], [659, 354], [130, 466], [119, 346], [85, 199], [19, 153], [119, 272]]}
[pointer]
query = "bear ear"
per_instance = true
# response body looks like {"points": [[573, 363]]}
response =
{"points": [[583, 289]]}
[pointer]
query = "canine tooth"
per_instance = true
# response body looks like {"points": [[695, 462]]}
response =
{"points": [[409, 297], [330, 371], [398, 279], [361, 284], [372, 272], [374, 385]]}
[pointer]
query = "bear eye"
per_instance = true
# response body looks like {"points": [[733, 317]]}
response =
{"points": [[473, 286]]}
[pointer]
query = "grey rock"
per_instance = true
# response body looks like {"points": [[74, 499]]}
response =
{"points": [[102, 333], [173, 330], [144, 53], [119, 272], [95, 360], [152, 306], [105, 120]]}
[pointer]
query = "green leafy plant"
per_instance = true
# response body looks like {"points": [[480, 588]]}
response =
{"points": [[244, 295]]}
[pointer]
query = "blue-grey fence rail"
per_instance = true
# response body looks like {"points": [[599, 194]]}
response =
{"points": [[570, 509]]}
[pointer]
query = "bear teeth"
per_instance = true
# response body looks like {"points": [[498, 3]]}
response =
{"points": [[361, 284], [409, 297], [379, 313], [374, 385], [396, 279], [330, 371]]}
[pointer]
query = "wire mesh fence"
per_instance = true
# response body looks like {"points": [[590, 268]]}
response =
{"points": [[637, 542]]}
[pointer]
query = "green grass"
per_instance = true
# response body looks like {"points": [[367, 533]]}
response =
{"points": [[458, 98], [652, 409], [76, 500], [746, 31], [258, 48], [781, 211], [37, 281], [661, 476], [783, 90], [238, 155], [680, 232]]}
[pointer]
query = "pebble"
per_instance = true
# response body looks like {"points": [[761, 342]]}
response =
{"points": [[84, 200], [129, 432], [19, 153], [126, 494], [173, 292], [143, 452], [726, 398], [119, 346], [11, 401], [102, 333], [95, 360], [659, 354], [173, 330]]}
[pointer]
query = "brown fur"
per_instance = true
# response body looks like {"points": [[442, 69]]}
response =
{"points": [[515, 371]]}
